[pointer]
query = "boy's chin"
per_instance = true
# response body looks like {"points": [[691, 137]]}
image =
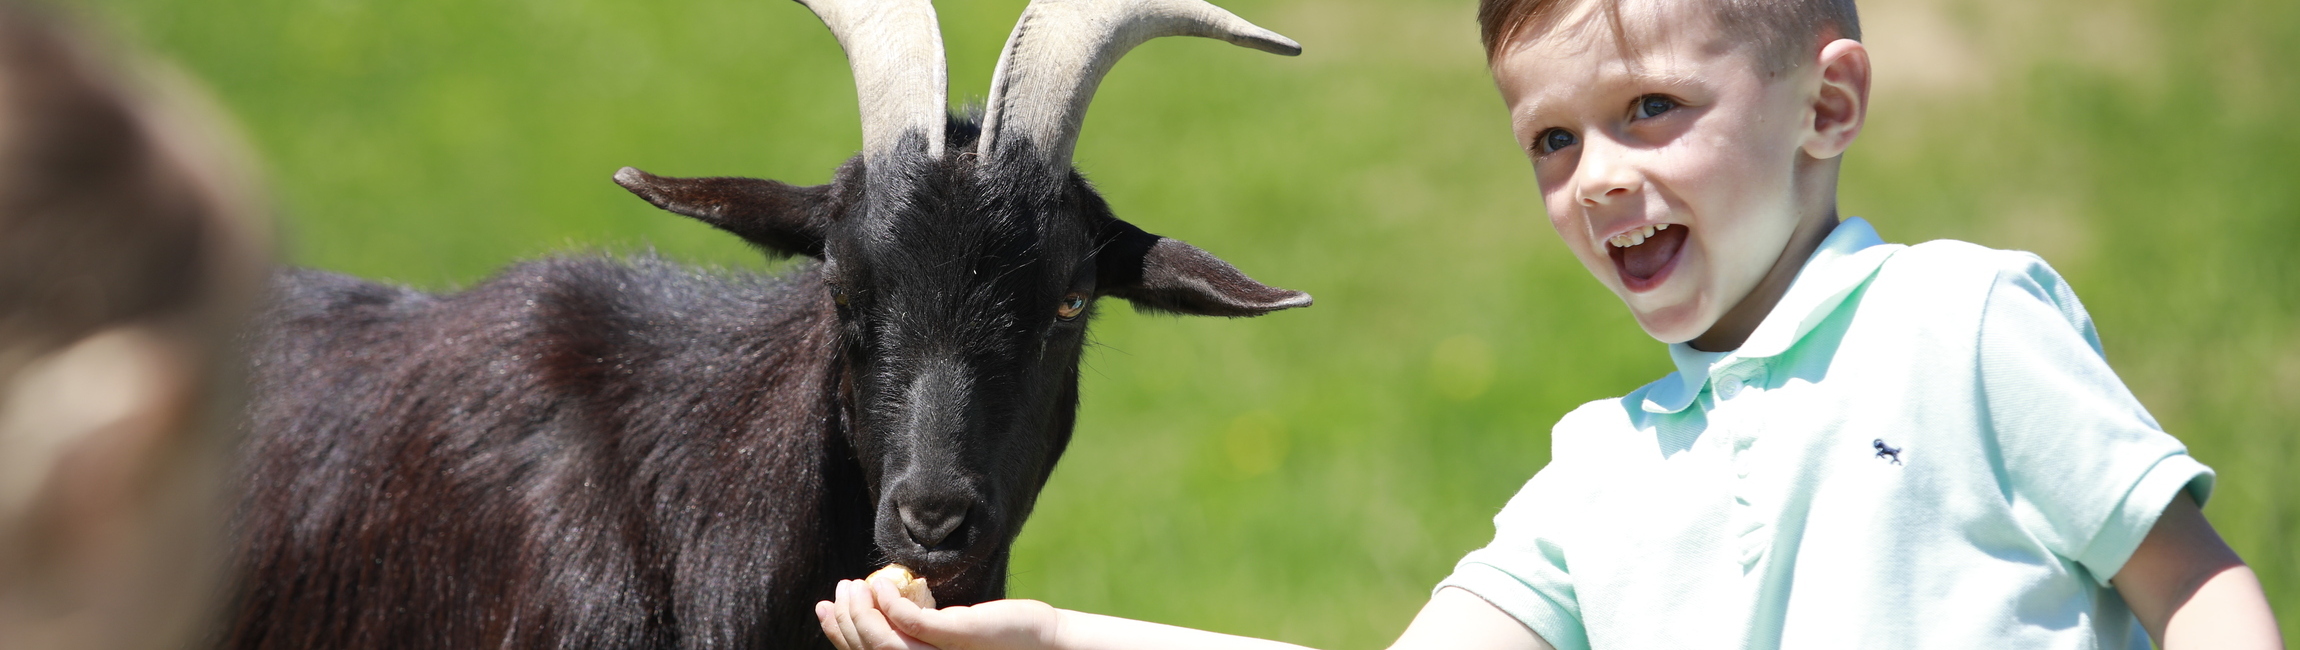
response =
{"points": [[1674, 323]]}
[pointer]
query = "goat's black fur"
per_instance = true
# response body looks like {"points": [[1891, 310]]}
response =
{"points": [[584, 452]]}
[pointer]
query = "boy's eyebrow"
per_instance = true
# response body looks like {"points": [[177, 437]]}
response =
{"points": [[1664, 78], [1636, 76]]}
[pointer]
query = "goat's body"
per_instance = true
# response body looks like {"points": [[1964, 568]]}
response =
{"points": [[588, 454], [578, 453]]}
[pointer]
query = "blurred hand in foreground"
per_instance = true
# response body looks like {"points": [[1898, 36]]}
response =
{"points": [[130, 256]]}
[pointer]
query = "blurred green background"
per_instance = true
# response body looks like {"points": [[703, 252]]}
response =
{"points": [[1309, 475]]}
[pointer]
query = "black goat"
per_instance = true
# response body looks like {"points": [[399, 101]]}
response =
{"points": [[593, 453]]}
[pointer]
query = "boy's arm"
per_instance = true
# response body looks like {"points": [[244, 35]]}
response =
{"points": [[1456, 618], [867, 617], [2190, 590]]}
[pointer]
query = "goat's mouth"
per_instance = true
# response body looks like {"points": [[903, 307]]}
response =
{"points": [[957, 577], [1644, 257], [957, 567], [938, 566]]}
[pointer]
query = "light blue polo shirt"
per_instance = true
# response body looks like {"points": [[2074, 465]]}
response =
{"points": [[1920, 447]]}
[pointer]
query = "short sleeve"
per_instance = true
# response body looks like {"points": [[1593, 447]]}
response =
{"points": [[1523, 572], [2087, 469]]}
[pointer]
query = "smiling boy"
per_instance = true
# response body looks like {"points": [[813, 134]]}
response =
{"points": [[1864, 444]]}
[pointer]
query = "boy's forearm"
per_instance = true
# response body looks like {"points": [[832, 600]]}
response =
{"points": [[2229, 610], [1083, 631]]}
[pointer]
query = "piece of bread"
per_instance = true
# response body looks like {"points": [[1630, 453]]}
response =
{"points": [[910, 584]]}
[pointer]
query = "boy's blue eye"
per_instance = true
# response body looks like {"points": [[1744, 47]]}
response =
{"points": [[1654, 105], [1555, 139]]}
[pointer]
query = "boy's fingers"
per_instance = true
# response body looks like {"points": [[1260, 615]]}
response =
{"points": [[888, 597], [868, 622], [904, 615], [825, 617], [874, 629], [838, 624], [848, 594], [863, 617]]}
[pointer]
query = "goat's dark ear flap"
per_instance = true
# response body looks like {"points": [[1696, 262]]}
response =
{"points": [[779, 217], [1165, 275]]}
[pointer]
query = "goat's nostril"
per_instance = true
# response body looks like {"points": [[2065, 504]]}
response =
{"points": [[931, 522]]}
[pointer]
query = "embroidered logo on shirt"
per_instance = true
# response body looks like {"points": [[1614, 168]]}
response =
{"points": [[1887, 451]]}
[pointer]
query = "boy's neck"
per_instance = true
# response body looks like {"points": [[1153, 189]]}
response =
{"points": [[1739, 322]]}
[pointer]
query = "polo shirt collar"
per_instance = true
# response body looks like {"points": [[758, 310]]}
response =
{"points": [[1846, 260]]}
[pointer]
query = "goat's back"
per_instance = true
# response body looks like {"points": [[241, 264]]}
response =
{"points": [[575, 453]]}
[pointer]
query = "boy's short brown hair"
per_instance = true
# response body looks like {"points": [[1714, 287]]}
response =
{"points": [[1781, 29]]}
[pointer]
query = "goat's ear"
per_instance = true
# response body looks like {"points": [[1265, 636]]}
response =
{"points": [[776, 216], [1165, 275]]}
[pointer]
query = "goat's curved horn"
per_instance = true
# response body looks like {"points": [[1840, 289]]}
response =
{"points": [[901, 80], [1060, 50]]}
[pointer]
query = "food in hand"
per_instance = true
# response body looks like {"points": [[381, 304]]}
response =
{"points": [[909, 584]]}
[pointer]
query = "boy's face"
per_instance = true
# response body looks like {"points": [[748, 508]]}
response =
{"points": [[1668, 165]]}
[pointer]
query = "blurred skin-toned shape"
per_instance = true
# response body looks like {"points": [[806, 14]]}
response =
{"points": [[130, 254]]}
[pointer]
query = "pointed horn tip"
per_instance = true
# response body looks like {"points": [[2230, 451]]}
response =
{"points": [[631, 178], [1272, 42], [642, 184], [1246, 34], [1293, 300]]}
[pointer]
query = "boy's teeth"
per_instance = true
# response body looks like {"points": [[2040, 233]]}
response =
{"points": [[1635, 237]]}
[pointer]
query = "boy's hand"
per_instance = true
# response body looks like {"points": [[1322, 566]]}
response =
{"points": [[873, 616]]}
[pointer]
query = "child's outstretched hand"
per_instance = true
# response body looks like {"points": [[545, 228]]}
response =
{"points": [[873, 616]]}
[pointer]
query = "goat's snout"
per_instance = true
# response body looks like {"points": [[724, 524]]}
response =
{"points": [[930, 518], [932, 515]]}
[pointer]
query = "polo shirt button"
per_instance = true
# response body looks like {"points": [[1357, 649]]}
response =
{"points": [[1729, 387]]}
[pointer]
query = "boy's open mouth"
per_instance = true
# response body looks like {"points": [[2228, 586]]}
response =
{"points": [[1644, 256]]}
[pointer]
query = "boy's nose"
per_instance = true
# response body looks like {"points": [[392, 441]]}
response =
{"points": [[1605, 177], [1604, 198]]}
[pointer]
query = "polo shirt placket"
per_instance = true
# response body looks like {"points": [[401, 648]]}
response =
{"points": [[1737, 390]]}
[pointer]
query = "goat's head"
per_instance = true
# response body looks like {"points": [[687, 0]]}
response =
{"points": [[966, 258]]}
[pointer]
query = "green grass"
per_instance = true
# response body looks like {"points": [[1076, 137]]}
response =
{"points": [[1307, 476]]}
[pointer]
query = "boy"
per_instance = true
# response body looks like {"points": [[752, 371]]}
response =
{"points": [[1865, 445]]}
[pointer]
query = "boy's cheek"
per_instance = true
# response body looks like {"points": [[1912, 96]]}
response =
{"points": [[1552, 172], [1563, 214], [1571, 230], [1574, 222]]}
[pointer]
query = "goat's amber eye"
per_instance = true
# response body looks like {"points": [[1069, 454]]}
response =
{"points": [[839, 297], [1072, 305]]}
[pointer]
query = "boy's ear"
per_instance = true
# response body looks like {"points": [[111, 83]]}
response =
{"points": [[1841, 103], [1165, 275], [782, 218]]}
